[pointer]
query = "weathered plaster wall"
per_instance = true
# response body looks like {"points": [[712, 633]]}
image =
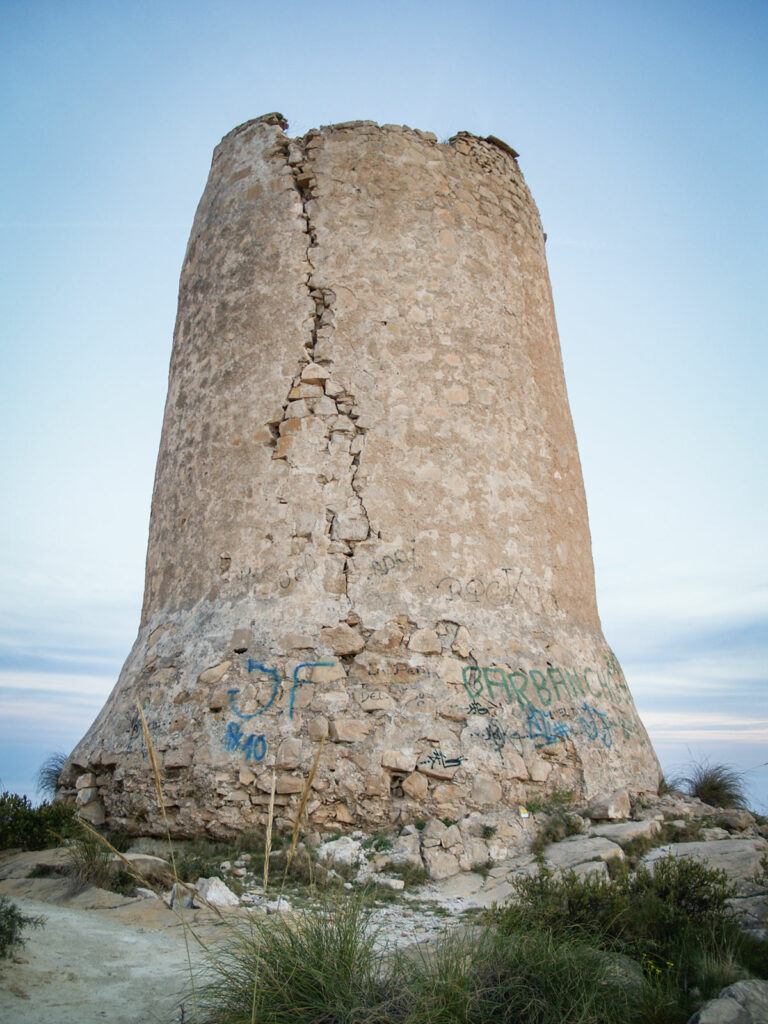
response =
{"points": [[368, 521]]}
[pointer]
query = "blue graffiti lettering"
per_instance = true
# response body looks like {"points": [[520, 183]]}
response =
{"points": [[255, 666], [254, 747], [596, 723], [297, 682], [544, 730]]}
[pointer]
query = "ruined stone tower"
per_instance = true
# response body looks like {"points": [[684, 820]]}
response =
{"points": [[368, 522]]}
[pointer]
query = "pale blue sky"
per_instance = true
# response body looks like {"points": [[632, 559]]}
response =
{"points": [[643, 135]]}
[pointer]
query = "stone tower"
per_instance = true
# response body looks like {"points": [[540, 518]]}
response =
{"points": [[368, 522]]}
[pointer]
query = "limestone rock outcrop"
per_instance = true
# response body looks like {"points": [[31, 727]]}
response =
{"points": [[368, 526]]}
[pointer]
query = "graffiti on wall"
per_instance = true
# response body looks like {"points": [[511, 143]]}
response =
{"points": [[543, 729], [544, 687], [400, 670], [437, 759], [254, 746], [397, 561], [476, 590], [306, 566]]}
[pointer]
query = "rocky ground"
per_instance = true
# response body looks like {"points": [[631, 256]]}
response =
{"points": [[102, 956]]}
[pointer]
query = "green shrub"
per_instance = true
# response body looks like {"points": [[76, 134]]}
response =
{"points": [[718, 785], [33, 828], [557, 826], [122, 881], [12, 922], [522, 978], [674, 920]]}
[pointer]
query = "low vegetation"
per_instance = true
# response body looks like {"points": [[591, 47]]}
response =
{"points": [[558, 825], [12, 924], [674, 922], [26, 827], [48, 774], [89, 862], [646, 948], [718, 785]]}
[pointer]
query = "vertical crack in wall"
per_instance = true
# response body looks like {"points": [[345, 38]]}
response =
{"points": [[313, 391]]}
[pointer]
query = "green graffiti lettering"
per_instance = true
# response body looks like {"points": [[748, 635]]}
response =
{"points": [[575, 681], [523, 699], [501, 680], [541, 687], [556, 678], [473, 681], [589, 671]]}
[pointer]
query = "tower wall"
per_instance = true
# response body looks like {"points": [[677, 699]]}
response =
{"points": [[368, 522]]}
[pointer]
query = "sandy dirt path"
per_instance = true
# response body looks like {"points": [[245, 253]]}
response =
{"points": [[99, 956], [83, 967]]}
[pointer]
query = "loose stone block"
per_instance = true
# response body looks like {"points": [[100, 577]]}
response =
{"points": [[415, 786], [440, 864], [348, 730], [610, 805]]}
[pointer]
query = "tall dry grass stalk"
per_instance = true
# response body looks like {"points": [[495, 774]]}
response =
{"points": [[268, 839], [303, 803], [177, 886]]}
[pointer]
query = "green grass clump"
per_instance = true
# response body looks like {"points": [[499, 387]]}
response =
{"points": [[47, 778], [321, 967], [88, 863], [557, 800], [674, 921], [33, 828], [558, 825], [12, 923], [718, 785], [518, 978], [412, 874]]}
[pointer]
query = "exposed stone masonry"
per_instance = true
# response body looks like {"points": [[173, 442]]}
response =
{"points": [[368, 523]]}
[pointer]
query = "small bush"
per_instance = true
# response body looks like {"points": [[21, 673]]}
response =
{"points": [[33, 828], [88, 863], [718, 785], [411, 874], [675, 919], [12, 922], [558, 826], [47, 778], [122, 881], [522, 978], [320, 967]]}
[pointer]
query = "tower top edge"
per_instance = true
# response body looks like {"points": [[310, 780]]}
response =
{"points": [[277, 120]]}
